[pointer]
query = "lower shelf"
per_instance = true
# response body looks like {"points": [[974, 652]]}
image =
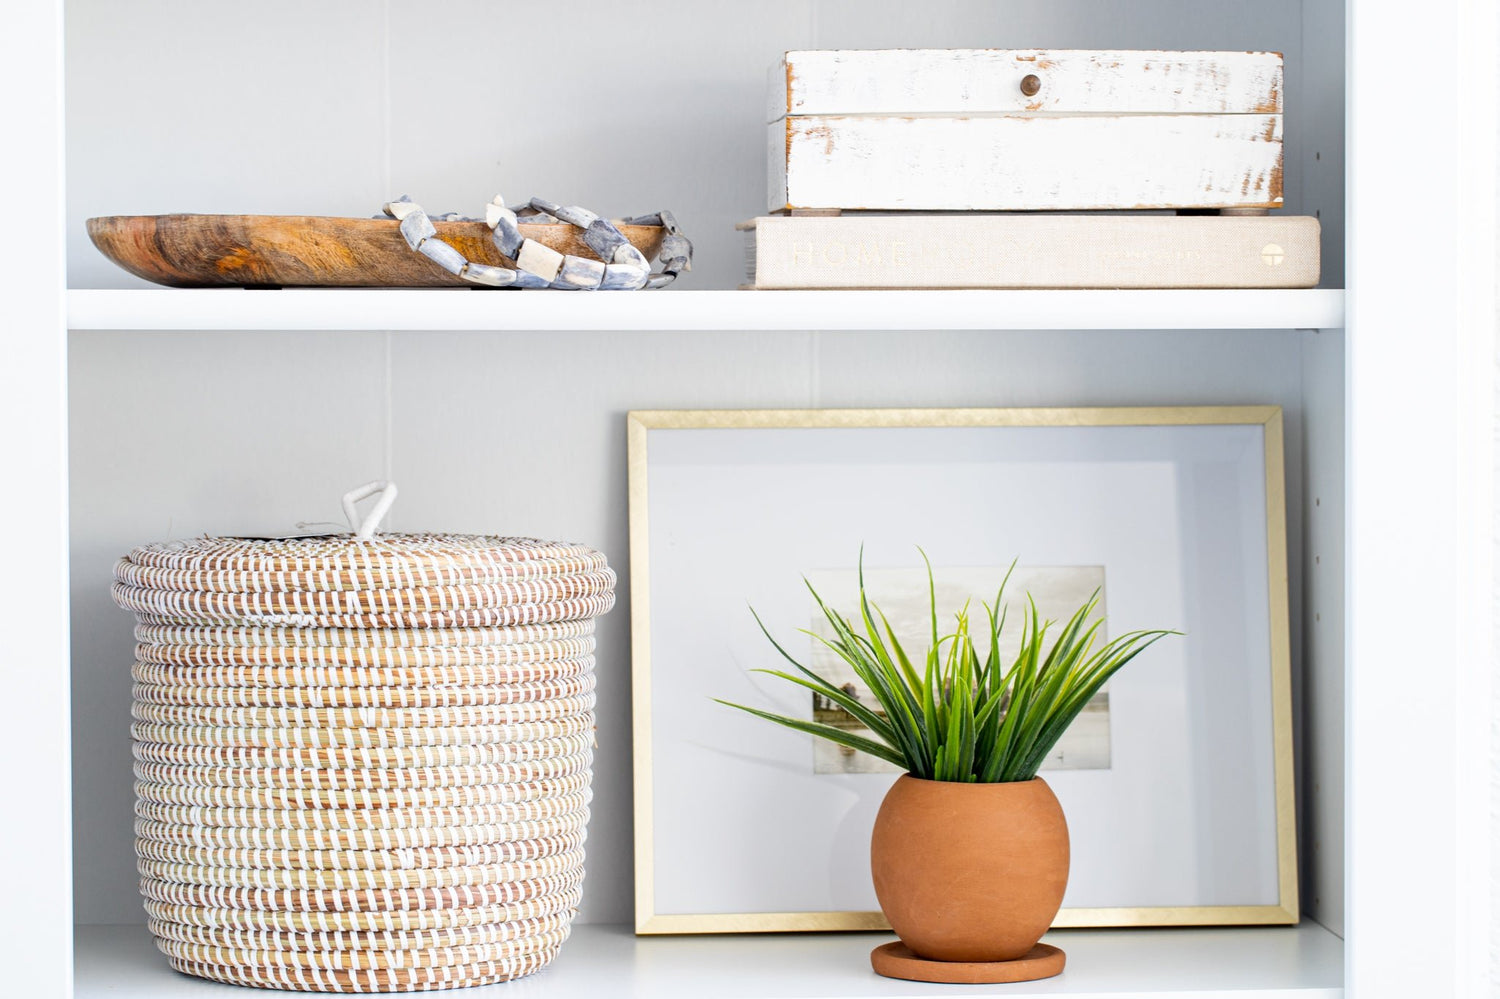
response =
{"points": [[1303, 962]]}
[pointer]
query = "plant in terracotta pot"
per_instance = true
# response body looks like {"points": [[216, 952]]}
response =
{"points": [[969, 852]]}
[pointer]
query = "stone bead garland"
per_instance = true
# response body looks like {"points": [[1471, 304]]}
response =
{"points": [[620, 267]]}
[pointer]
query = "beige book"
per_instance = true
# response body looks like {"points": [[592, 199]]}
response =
{"points": [[1028, 250]]}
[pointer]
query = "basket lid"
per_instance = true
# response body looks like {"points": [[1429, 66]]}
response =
{"points": [[334, 552], [364, 579]]}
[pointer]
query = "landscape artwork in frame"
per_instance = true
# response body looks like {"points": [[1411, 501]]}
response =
{"points": [[1177, 780]]}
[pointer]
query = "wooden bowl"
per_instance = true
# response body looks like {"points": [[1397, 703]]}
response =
{"points": [[290, 251]]}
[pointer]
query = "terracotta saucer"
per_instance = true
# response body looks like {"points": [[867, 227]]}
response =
{"points": [[895, 960]]}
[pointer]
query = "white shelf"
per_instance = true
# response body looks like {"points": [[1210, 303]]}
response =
{"points": [[464, 309], [1303, 962]]}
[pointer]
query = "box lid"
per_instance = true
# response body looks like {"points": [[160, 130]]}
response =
{"points": [[1010, 81]]}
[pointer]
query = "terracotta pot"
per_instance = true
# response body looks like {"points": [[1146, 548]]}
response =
{"points": [[970, 872]]}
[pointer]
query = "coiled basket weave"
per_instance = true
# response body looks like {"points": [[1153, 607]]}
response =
{"points": [[362, 764]]}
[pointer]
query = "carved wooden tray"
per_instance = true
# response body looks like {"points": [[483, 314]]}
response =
{"points": [[259, 251]]}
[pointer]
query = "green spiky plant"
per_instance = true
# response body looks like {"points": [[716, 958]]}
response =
{"points": [[959, 718]]}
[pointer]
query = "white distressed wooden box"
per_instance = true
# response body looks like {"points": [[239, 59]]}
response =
{"points": [[1023, 130]]}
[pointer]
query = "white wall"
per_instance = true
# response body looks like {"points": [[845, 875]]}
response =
{"points": [[177, 434], [332, 107], [1320, 773]]}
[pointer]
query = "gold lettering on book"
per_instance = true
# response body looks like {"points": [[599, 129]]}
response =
{"points": [[856, 254]]}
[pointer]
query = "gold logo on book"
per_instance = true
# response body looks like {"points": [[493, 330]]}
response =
{"points": [[1272, 255]]}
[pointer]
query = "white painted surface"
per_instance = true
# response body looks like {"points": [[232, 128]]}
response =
{"points": [[1319, 672], [608, 961], [1418, 828], [1478, 286], [970, 81], [35, 937], [466, 418], [1027, 163], [1483, 245], [1315, 175], [424, 309]]}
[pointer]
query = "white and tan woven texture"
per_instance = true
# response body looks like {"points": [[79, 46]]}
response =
{"points": [[362, 761]]}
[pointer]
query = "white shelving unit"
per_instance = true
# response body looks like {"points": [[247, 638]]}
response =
{"points": [[1396, 412]]}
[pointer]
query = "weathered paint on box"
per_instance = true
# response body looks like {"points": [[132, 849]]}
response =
{"points": [[969, 81], [1034, 129], [1026, 162]]}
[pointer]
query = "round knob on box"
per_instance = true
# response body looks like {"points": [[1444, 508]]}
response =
{"points": [[1030, 84]]}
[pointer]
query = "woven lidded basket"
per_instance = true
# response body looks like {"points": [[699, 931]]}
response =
{"points": [[362, 761]]}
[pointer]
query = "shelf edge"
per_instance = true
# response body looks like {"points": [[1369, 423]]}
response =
{"points": [[336, 310]]}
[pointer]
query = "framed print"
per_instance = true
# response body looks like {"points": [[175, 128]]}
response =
{"points": [[1177, 779]]}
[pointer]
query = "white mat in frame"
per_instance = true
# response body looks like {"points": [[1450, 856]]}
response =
{"points": [[1184, 510]]}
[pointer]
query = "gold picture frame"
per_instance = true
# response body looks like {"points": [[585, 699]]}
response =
{"points": [[1282, 824]]}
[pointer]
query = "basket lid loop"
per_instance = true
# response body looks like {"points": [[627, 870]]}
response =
{"points": [[365, 529]]}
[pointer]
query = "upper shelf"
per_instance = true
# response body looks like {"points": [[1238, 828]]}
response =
{"points": [[463, 309]]}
